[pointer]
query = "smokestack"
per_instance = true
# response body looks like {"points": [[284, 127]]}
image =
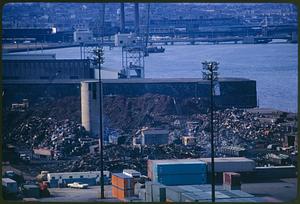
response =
{"points": [[122, 19], [137, 18], [102, 22]]}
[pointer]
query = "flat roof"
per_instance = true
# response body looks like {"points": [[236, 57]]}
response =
{"points": [[228, 159], [8, 180], [83, 172], [170, 80], [121, 175], [208, 159], [113, 81]]}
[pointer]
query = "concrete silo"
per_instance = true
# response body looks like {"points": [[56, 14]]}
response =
{"points": [[90, 117]]}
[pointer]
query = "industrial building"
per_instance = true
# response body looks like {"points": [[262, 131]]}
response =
{"points": [[47, 69], [234, 92], [28, 56], [151, 136], [62, 179], [154, 136], [43, 153], [83, 35]]}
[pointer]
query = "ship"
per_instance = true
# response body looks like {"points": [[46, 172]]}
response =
{"points": [[154, 49]]}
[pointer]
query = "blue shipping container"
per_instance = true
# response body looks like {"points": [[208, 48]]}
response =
{"points": [[180, 168], [188, 179]]}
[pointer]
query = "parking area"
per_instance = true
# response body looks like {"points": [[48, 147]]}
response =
{"points": [[283, 190], [91, 194]]}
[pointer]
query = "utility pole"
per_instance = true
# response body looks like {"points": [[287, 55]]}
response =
{"points": [[98, 59], [210, 73]]}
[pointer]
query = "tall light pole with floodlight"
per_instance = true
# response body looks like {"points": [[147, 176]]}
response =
{"points": [[210, 72]]}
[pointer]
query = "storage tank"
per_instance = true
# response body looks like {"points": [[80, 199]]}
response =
{"points": [[90, 106]]}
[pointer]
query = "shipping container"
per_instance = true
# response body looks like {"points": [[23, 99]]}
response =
{"points": [[180, 168], [122, 181], [188, 179], [232, 179], [121, 194], [10, 185], [230, 164]]}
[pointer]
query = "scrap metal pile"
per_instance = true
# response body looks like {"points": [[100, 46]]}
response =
{"points": [[56, 125]]}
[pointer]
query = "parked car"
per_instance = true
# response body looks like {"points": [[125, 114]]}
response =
{"points": [[78, 185]]}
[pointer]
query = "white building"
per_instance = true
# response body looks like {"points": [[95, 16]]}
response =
{"points": [[82, 35], [125, 39]]}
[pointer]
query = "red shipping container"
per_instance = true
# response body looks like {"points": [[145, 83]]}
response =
{"points": [[231, 178]]}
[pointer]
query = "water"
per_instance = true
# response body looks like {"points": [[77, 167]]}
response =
{"points": [[273, 66]]}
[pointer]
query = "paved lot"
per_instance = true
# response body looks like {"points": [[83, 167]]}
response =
{"points": [[92, 194], [283, 190]]}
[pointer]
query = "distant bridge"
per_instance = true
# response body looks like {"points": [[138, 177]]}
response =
{"points": [[165, 41], [253, 40]]}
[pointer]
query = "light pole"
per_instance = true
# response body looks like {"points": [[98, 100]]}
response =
{"points": [[210, 72], [98, 59]]}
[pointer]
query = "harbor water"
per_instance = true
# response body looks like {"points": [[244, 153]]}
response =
{"points": [[273, 66]]}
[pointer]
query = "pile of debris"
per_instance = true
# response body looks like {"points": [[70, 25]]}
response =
{"points": [[130, 113]]}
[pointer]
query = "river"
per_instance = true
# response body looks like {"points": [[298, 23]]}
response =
{"points": [[273, 66]]}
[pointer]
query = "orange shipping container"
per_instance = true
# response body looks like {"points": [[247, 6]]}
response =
{"points": [[122, 181], [121, 194]]}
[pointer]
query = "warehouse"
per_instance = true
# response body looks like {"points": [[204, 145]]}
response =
{"points": [[46, 69], [62, 179], [155, 136]]}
